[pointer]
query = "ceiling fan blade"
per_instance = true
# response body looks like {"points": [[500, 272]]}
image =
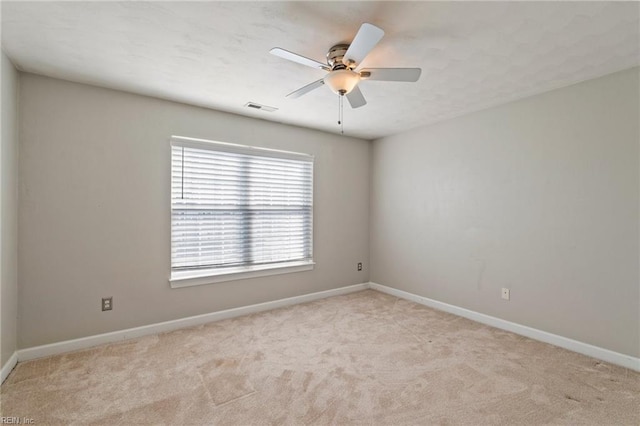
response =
{"points": [[285, 54], [368, 36], [306, 89], [391, 74], [356, 98]]}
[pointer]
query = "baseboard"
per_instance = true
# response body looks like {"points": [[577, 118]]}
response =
{"points": [[116, 336], [607, 355], [8, 366], [623, 360]]}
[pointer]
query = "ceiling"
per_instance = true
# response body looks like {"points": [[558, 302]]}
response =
{"points": [[216, 54]]}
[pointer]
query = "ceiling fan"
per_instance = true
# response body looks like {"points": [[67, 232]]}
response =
{"points": [[343, 66]]}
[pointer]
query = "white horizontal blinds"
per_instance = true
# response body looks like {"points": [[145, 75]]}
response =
{"points": [[235, 206]]}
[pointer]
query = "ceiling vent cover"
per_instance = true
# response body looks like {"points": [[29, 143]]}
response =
{"points": [[255, 105]]}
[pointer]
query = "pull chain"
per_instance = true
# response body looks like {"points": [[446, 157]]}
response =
{"points": [[341, 113]]}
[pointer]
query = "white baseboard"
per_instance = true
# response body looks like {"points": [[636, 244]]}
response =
{"points": [[617, 358], [8, 366], [115, 336], [99, 339]]}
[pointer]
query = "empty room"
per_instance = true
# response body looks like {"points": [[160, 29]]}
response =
{"points": [[314, 213]]}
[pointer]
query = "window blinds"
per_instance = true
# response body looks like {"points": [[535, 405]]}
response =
{"points": [[233, 205]]}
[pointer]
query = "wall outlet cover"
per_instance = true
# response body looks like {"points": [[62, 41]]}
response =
{"points": [[505, 294], [107, 303]]}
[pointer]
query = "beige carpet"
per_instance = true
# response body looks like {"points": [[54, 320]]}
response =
{"points": [[364, 358]]}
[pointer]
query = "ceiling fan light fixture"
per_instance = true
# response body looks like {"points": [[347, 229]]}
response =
{"points": [[342, 82]]}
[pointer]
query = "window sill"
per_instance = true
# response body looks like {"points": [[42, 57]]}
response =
{"points": [[211, 276]]}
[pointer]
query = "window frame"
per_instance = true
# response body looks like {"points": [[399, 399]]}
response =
{"points": [[200, 276]]}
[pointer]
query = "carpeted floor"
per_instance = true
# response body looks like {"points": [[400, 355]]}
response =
{"points": [[364, 358]]}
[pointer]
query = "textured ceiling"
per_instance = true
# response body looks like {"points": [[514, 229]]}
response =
{"points": [[216, 54]]}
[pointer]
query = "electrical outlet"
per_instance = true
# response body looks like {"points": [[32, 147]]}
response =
{"points": [[359, 266], [107, 303], [505, 293]]}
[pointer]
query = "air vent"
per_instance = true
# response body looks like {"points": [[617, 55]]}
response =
{"points": [[260, 107]]}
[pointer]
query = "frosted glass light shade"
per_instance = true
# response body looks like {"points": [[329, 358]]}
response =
{"points": [[342, 81]]}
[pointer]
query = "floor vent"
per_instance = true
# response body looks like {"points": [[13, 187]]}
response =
{"points": [[260, 107]]}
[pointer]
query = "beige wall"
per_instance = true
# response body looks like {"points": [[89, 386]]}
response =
{"points": [[94, 210], [9, 212], [539, 196]]}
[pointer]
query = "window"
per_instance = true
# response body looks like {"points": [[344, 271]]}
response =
{"points": [[238, 211]]}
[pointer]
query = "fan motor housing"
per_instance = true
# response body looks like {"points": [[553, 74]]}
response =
{"points": [[335, 56]]}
